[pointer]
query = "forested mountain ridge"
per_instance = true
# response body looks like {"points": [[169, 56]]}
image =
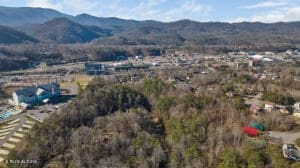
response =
{"points": [[133, 32], [214, 33], [62, 30], [12, 16]]}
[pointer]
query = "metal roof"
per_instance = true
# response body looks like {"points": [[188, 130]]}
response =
{"points": [[31, 91]]}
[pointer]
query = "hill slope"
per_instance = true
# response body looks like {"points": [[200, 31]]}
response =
{"points": [[62, 30], [25, 15], [114, 125], [10, 36], [209, 33], [112, 23]]}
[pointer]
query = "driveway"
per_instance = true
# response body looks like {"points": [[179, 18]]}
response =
{"points": [[286, 137]]}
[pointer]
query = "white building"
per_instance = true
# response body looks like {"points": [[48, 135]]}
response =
{"points": [[269, 107], [33, 95], [297, 106]]}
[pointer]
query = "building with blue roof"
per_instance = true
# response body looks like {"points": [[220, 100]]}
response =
{"points": [[33, 95]]}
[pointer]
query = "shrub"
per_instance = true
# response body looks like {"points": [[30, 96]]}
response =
{"points": [[278, 98]]}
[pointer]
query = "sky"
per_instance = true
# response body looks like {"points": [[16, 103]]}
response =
{"points": [[171, 10]]}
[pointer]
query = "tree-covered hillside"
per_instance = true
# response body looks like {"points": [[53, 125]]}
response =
{"points": [[10, 36], [62, 30], [151, 124]]}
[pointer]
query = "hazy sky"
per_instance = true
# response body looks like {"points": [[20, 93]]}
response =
{"points": [[171, 10]]}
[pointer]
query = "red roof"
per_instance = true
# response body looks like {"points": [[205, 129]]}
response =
{"points": [[250, 131]]}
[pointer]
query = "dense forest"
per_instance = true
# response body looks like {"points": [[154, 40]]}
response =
{"points": [[152, 123]]}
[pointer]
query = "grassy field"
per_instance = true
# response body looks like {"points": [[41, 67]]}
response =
{"points": [[72, 84]]}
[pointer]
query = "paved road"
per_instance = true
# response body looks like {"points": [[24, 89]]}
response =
{"points": [[286, 137], [254, 101]]}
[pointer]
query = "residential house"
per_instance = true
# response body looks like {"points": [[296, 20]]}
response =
{"points": [[296, 109], [179, 62], [269, 107], [95, 69], [297, 106], [122, 66]]}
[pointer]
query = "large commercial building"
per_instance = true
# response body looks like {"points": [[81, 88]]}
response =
{"points": [[30, 96]]}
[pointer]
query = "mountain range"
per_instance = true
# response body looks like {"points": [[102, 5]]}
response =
{"points": [[50, 26]]}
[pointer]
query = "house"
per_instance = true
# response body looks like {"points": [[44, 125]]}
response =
{"points": [[139, 57], [269, 107], [95, 69], [25, 95], [296, 109], [297, 106], [33, 95], [122, 66], [179, 62]]}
